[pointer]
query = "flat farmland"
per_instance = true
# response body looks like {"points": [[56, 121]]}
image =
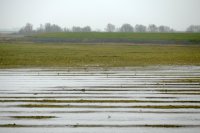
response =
{"points": [[95, 55], [105, 37], [49, 84]]}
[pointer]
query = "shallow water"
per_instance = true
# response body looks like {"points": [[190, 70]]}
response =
{"points": [[101, 100]]}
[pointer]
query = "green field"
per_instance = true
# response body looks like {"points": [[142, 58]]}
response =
{"points": [[100, 55], [155, 36], [124, 37]]}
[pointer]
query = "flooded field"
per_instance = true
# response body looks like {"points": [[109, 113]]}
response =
{"points": [[149, 99]]}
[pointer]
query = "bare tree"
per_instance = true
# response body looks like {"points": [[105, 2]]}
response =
{"points": [[163, 28], [56, 28], [52, 28], [27, 29], [40, 29], [86, 29], [140, 28], [47, 27], [110, 28], [152, 28], [76, 29], [126, 28], [193, 28], [66, 30]]}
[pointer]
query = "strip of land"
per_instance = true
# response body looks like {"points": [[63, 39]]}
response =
{"points": [[105, 37], [18, 55]]}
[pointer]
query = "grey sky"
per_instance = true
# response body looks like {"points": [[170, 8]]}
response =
{"points": [[177, 14]]}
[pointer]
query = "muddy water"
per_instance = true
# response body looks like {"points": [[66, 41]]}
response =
{"points": [[151, 99]]}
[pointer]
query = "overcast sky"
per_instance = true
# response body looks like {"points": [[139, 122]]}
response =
{"points": [[177, 14]]}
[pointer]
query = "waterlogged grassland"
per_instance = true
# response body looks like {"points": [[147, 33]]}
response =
{"points": [[96, 125], [189, 80], [101, 55], [59, 99], [104, 106], [33, 117], [96, 101]]}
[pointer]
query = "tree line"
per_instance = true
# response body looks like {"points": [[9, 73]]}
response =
{"points": [[48, 27]]}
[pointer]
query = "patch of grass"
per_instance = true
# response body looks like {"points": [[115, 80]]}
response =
{"points": [[98, 125], [10, 125], [75, 101], [33, 117], [165, 126], [170, 106], [42, 106], [96, 55], [189, 80], [100, 101], [97, 106], [153, 126]]}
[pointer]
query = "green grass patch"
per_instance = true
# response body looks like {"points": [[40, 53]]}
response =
{"points": [[165, 126], [189, 80], [101, 101], [76, 101], [96, 55], [151, 126], [97, 106], [191, 37], [33, 117], [42, 106], [11, 125], [96, 125]]}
